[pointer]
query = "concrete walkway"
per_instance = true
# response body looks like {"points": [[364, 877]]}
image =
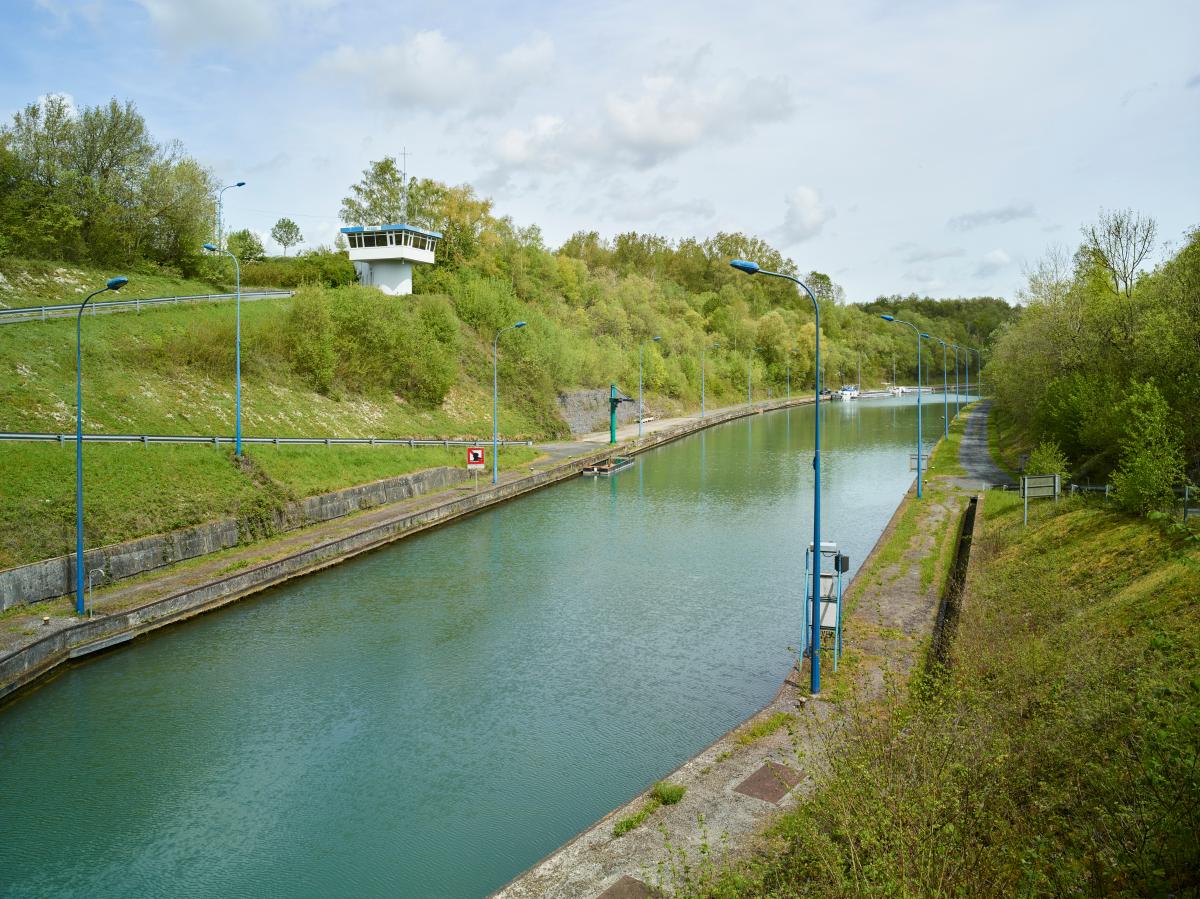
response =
{"points": [[974, 454], [737, 785]]}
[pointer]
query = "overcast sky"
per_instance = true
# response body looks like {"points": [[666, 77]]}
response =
{"points": [[929, 147]]}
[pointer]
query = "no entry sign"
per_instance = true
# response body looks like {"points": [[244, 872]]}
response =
{"points": [[475, 458]]}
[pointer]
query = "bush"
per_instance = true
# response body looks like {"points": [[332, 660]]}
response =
{"points": [[1048, 458], [320, 268], [1151, 464], [310, 339]]}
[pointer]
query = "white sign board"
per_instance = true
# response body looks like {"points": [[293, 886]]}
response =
{"points": [[1037, 486], [1040, 485], [475, 460]]}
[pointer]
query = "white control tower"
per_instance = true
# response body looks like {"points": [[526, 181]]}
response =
{"points": [[383, 255]]}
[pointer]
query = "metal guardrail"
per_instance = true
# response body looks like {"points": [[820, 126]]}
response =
{"points": [[41, 313], [216, 440]]}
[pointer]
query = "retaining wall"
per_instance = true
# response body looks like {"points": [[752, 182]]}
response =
{"points": [[38, 658], [586, 411], [56, 577]]}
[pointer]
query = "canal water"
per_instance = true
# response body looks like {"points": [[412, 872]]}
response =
{"points": [[432, 718]]}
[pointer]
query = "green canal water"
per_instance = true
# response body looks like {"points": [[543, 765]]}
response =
{"points": [[432, 718]]}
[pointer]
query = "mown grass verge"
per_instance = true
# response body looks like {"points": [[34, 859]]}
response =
{"points": [[135, 490], [1057, 753]]}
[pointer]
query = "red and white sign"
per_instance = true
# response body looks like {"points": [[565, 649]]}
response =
{"points": [[475, 460]]}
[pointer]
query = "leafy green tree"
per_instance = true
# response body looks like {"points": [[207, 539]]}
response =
{"points": [[1151, 465], [286, 233], [245, 245], [378, 199]]}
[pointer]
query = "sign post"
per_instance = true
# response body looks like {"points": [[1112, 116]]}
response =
{"points": [[1039, 485], [476, 462]]}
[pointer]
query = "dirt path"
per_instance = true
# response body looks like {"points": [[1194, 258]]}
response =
{"points": [[974, 454]]}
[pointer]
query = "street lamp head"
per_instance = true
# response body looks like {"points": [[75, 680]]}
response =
{"points": [[655, 339], [240, 184], [927, 337], [210, 247], [116, 283], [519, 325], [742, 265], [888, 318]]}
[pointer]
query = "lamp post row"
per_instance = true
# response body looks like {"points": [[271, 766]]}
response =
{"points": [[745, 266]]}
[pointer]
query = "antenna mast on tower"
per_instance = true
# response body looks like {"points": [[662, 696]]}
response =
{"points": [[403, 185]]}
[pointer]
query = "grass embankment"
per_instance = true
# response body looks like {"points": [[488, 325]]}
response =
{"points": [[1056, 754], [134, 490], [25, 282]]}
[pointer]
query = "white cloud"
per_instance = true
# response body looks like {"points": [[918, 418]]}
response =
{"points": [[644, 203], [913, 253], [1012, 212], [991, 263], [189, 23], [431, 73], [676, 109], [805, 216]]}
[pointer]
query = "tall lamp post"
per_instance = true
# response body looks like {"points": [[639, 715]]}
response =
{"points": [[967, 357], [641, 406], [237, 404], [751, 268], [703, 349], [749, 368], [979, 370], [945, 389], [920, 385], [957, 393], [496, 400], [111, 284], [220, 208]]}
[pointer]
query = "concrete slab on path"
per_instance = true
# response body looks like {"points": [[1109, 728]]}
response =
{"points": [[770, 783]]}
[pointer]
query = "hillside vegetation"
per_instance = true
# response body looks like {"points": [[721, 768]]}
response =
{"points": [[1102, 369], [1055, 754]]}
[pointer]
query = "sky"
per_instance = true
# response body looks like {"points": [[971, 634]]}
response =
{"points": [[934, 148]]}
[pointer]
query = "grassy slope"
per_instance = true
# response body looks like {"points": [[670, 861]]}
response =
{"points": [[148, 373], [135, 490], [31, 283], [1058, 753]]}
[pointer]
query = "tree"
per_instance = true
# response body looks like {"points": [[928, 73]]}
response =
{"points": [[1121, 241], [1151, 465], [378, 199], [286, 233], [245, 245]]}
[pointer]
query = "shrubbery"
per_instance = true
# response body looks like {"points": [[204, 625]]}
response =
{"points": [[364, 341], [1151, 465]]}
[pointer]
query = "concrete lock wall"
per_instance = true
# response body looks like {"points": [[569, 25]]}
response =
{"points": [[56, 577], [587, 410]]}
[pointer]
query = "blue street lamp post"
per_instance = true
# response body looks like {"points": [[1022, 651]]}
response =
{"points": [[237, 403], [220, 209], [967, 357], [496, 400], [641, 406], [956, 390], [702, 352], [749, 367], [945, 389], [751, 268], [920, 386], [112, 284]]}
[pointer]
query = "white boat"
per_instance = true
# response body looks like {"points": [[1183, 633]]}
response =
{"points": [[899, 390], [848, 392]]}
